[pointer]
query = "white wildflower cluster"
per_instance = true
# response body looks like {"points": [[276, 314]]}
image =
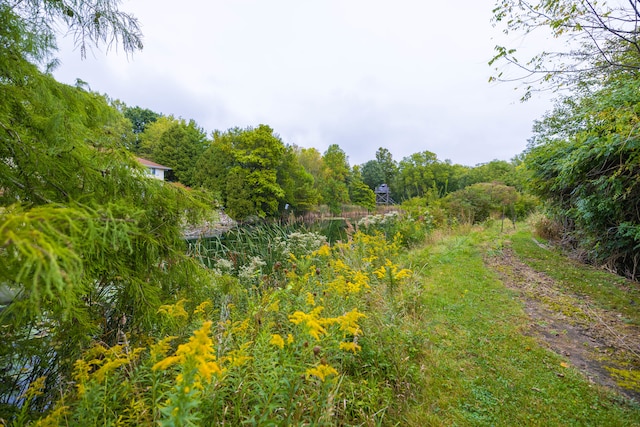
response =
{"points": [[379, 221], [223, 266], [252, 270], [299, 244]]}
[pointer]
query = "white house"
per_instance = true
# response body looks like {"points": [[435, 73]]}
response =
{"points": [[154, 170]]}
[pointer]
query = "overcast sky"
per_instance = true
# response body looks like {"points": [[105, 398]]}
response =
{"points": [[406, 75]]}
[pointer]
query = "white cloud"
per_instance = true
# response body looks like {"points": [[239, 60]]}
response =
{"points": [[405, 75]]}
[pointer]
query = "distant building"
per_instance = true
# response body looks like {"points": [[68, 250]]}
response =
{"points": [[383, 195], [154, 170]]}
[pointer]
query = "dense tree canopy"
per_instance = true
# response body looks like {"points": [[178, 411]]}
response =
{"points": [[175, 143], [300, 192], [359, 193], [255, 174], [416, 175], [585, 159], [335, 176]]}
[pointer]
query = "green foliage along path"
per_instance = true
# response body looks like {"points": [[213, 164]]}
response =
{"points": [[481, 366]]}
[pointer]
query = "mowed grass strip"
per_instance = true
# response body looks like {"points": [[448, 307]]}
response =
{"points": [[479, 368]]}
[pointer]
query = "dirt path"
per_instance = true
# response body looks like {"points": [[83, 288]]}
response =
{"points": [[597, 342]]}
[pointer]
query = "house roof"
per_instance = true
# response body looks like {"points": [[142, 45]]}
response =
{"points": [[150, 164]]}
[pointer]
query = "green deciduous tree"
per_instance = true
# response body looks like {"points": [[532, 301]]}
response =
{"points": [[388, 166], [372, 174], [335, 176], [139, 118], [312, 162], [241, 166], [175, 143], [416, 175], [494, 171], [359, 192], [300, 192]]}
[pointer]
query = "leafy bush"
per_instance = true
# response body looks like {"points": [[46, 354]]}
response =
{"points": [[484, 200], [585, 161], [410, 228]]}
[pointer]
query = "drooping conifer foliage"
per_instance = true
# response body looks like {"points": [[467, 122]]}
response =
{"points": [[88, 247]]}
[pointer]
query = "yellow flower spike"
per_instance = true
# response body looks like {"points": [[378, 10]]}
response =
{"points": [[380, 272], [277, 340], [161, 348], [202, 307], [310, 300], [403, 274], [108, 367], [289, 339], [240, 327], [324, 250], [54, 418], [198, 352], [313, 321], [35, 389], [348, 322], [321, 371], [166, 363], [174, 310], [274, 306], [338, 285], [81, 375], [350, 346], [340, 266]]}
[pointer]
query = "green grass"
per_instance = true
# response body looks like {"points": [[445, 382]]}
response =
{"points": [[478, 367], [604, 290]]}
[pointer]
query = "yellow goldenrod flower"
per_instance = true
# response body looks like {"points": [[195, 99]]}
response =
{"points": [[349, 322], [198, 352], [54, 418], [202, 307], [274, 306], [35, 389], [313, 321], [390, 270], [238, 357], [310, 299], [174, 310], [316, 324], [339, 266], [349, 346], [324, 250], [338, 285], [161, 348], [81, 375], [240, 327], [289, 339], [321, 371], [277, 340]]}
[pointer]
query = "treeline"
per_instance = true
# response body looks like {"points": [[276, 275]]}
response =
{"points": [[252, 172]]}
